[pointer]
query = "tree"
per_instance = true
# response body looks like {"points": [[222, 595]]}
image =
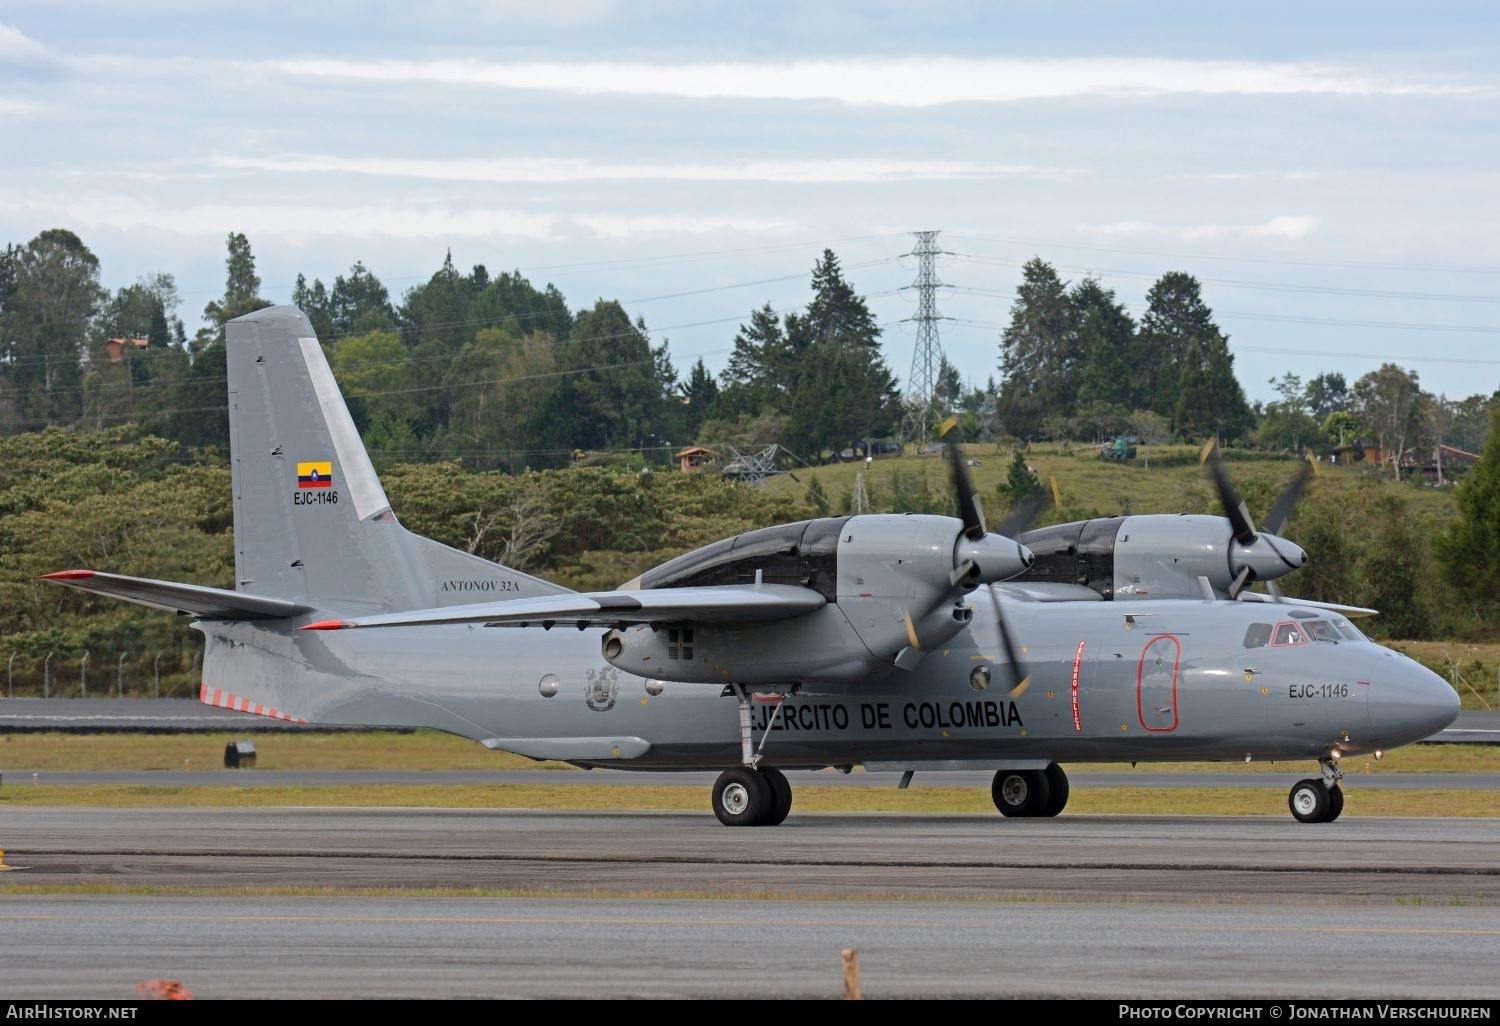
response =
{"points": [[698, 393], [1038, 351], [762, 368], [610, 397], [1388, 401], [1327, 393], [313, 301], [52, 292], [1105, 335], [1469, 550], [360, 303], [1175, 315], [1020, 482], [840, 366], [241, 285]]}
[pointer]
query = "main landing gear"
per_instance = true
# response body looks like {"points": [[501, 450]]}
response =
{"points": [[752, 794], [1318, 800], [1042, 792]]}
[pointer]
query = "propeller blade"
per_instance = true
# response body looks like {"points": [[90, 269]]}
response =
{"points": [[1276, 520], [963, 490], [1234, 507], [1238, 584], [1020, 679], [1021, 518]]}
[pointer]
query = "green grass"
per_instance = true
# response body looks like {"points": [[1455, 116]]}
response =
{"points": [[431, 750]]}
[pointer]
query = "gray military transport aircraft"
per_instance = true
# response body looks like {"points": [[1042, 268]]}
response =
{"points": [[881, 641]]}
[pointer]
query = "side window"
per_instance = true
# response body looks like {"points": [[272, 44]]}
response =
{"points": [[1348, 630], [1257, 635], [1288, 633]]}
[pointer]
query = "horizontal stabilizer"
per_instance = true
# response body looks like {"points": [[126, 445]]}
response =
{"points": [[191, 599], [750, 603]]}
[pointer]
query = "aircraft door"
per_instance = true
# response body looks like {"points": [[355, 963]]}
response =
{"points": [[1156, 684]]}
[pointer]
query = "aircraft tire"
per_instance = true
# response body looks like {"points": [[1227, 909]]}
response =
{"points": [[1309, 801], [1020, 792], [1335, 803], [781, 795], [1057, 789], [741, 797]]}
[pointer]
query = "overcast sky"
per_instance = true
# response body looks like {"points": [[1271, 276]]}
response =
{"points": [[1329, 171]]}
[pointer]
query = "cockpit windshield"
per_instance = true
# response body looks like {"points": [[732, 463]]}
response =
{"points": [[1305, 629]]}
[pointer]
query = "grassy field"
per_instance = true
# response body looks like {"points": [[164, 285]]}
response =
{"points": [[431, 750]]}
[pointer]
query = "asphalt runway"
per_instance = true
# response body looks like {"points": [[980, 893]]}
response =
{"points": [[100, 947], [675, 905]]}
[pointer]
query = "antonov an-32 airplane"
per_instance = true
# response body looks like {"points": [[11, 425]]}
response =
{"points": [[881, 641]]}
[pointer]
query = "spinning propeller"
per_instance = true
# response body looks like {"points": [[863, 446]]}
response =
{"points": [[1257, 555], [974, 530]]}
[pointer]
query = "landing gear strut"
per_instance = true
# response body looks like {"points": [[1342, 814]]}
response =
{"points": [[1318, 800], [1041, 792], [752, 794]]}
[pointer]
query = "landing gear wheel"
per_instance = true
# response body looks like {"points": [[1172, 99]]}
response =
{"points": [[1335, 803], [741, 797], [1020, 792], [1057, 789], [781, 795], [1309, 801]]}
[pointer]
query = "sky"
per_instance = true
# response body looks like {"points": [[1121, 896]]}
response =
{"points": [[1330, 172]]}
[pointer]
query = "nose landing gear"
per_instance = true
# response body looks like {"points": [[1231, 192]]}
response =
{"points": [[1318, 800]]}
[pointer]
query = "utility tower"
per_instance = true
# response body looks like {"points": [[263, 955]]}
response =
{"points": [[921, 385]]}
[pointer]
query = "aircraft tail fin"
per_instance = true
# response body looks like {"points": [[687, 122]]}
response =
{"points": [[312, 524]]}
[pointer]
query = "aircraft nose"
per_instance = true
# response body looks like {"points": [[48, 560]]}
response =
{"points": [[1407, 701]]}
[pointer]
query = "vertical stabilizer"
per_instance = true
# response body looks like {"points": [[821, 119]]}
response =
{"points": [[311, 521]]}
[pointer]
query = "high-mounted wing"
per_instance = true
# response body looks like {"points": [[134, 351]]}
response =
{"points": [[191, 599], [758, 603]]}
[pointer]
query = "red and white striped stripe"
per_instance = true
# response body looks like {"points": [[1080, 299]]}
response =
{"points": [[224, 700]]}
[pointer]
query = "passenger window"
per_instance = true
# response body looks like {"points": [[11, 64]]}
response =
{"points": [[1288, 633], [1257, 635], [1322, 630]]}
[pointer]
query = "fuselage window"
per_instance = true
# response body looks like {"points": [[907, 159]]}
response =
{"points": [[1288, 633], [1257, 635]]}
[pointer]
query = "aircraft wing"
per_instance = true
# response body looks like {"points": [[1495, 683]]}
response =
{"points": [[1334, 607], [749, 603], [191, 599]]}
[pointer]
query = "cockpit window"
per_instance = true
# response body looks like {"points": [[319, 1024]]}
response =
{"points": [[1322, 630], [1257, 635], [1347, 629], [1288, 633]]}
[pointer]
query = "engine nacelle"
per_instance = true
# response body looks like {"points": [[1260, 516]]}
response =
{"points": [[1155, 556]]}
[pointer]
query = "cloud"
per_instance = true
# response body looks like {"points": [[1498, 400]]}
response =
{"points": [[1284, 227], [568, 170], [898, 82], [19, 52], [124, 214]]}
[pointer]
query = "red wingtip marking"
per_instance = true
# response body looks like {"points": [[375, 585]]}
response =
{"points": [[328, 625], [67, 575]]}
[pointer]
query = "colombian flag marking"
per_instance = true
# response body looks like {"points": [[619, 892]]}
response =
{"points": [[315, 475]]}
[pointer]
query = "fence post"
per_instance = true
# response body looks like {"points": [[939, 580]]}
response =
{"points": [[47, 675], [83, 675], [120, 676], [156, 676], [10, 677]]}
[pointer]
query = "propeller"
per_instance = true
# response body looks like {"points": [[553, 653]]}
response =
{"points": [[972, 516], [1259, 554]]}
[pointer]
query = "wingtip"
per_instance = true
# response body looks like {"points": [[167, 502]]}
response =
{"points": [[328, 625], [67, 575]]}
